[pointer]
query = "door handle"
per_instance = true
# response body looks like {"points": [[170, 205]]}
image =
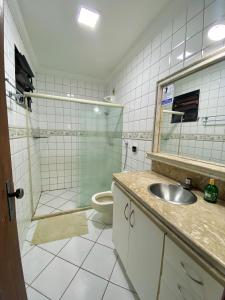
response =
{"points": [[19, 193]]}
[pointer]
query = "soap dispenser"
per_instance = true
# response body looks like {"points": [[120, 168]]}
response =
{"points": [[211, 191]]}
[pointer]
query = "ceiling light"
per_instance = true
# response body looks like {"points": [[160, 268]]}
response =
{"points": [[88, 17], [217, 32], [181, 56]]}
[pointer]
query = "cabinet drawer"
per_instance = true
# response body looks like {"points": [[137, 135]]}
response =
{"points": [[196, 278], [166, 293], [178, 283]]}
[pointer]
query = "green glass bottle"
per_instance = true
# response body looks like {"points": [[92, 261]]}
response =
{"points": [[211, 192]]}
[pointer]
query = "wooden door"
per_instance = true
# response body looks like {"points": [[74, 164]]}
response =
{"points": [[121, 211], [11, 276], [145, 250]]}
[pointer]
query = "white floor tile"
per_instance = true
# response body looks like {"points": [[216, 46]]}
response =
{"points": [[96, 216], [76, 250], [60, 200], [34, 262], [56, 211], [44, 210], [46, 198], [34, 295], [54, 247], [85, 286], [26, 247], [56, 202], [69, 205], [89, 212], [100, 261], [94, 230], [56, 192], [30, 232], [39, 205], [115, 292], [106, 238], [68, 195], [53, 281], [119, 276]]}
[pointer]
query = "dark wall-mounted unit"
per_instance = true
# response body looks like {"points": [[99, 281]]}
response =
{"points": [[188, 104], [24, 76]]}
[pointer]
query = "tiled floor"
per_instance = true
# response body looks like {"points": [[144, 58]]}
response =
{"points": [[82, 268], [57, 201]]}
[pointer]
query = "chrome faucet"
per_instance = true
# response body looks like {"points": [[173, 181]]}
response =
{"points": [[187, 185]]}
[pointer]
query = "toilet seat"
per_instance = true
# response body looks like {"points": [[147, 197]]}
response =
{"points": [[102, 199], [103, 203]]}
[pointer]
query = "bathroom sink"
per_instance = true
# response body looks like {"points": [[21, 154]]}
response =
{"points": [[172, 193]]}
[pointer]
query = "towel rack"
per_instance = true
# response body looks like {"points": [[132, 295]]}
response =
{"points": [[17, 96]]}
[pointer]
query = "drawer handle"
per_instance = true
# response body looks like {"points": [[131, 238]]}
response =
{"points": [[192, 278], [132, 212], [125, 209], [181, 291]]}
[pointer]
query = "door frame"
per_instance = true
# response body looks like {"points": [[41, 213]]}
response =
{"points": [[12, 286]]}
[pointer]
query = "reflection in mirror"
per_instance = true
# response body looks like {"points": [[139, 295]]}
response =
{"points": [[199, 130]]}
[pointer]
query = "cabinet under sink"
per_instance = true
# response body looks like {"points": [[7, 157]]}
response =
{"points": [[156, 266]]}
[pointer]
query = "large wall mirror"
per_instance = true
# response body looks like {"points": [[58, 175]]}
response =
{"points": [[190, 112]]}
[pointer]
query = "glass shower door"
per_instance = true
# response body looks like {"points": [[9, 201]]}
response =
{"points": [[100, 149]]}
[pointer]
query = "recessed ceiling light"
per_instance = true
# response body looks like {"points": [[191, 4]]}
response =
{"points": [[88, 17], [217, 32]]}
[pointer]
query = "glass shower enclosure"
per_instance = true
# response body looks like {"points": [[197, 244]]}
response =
{"points": [[100, 143], [80, 147]]}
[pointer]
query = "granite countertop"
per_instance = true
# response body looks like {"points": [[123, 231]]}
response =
{"points": [[201, 225]]}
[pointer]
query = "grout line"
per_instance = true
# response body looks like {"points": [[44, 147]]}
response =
{"points": [[29, 286], [41, 271], [54, 256], [77, 270], [79, 267], [109, 278]]}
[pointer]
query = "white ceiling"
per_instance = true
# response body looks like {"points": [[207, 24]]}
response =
{"points": [[61, 44]]}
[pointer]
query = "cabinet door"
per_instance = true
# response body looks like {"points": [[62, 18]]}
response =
{"points": [[144, 254], [195, 279], [121, 212]]}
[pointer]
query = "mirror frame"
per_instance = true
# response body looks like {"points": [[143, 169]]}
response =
{"points": [[195, 165]]}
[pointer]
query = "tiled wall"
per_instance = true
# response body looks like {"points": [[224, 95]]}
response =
{"points": [[55, 83], [205, 138], [20, 136], [168, 46]]}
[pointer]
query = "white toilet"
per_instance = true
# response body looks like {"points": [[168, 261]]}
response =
{"points": [[103, 203]]}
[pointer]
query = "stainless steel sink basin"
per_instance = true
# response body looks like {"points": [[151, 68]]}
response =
{"points": [[172, 193]]}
